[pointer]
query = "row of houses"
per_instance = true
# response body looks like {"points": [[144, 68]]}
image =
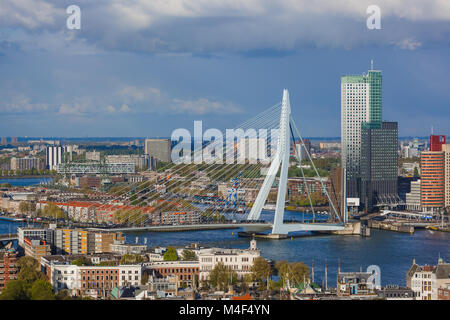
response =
{"points": [[430, 282], [85, 211], [40, 241], [109, 280], [95, 281]]}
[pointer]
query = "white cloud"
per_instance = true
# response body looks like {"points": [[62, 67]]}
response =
{"points": [[131, 99], [152, 100], [177, 26], [124, 108], [110, 109], [30, 14], [203, 106], [409, 44], [20, 103]]}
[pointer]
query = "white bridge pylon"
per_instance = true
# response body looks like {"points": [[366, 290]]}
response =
{"points": [[281, 157]]}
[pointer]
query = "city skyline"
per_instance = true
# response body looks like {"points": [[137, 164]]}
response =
{"points": [[203, 151], [161, 67]]}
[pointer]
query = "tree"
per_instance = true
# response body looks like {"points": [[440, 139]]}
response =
{"points": [[29, 270], [52, 210], [42, 290], [189, 255], [131, 258], [416, 172], [275, 285], [170, 254], [245, 282], [144, 278], [221, 276], [295, 272], [131, 217], [24, 207], [260, 270], [15, 290], [82, 261], [63, 295]]}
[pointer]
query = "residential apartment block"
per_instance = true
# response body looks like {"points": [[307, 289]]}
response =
{"points": [[8, 267], [70, 241], [96, 281]]}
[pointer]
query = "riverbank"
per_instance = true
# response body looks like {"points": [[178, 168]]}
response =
{"points": [[2, 217], [25, 181], [307, 209], [37, 176]]}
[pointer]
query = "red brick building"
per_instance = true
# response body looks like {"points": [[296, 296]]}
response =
{"points": [[443, 294], [8, 267], [184, 270]]}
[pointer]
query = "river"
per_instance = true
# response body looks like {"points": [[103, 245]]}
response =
{"points": [[25, 182]]}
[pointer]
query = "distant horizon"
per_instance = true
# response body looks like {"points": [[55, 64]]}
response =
{"points": [[25, 138]]}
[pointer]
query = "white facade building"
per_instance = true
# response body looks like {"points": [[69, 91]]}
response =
{"points": [[53, 156], [238, 260], [413, 197], [355, 109], [423, 283], [63, 275]]}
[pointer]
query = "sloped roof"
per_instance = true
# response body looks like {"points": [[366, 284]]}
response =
{"points": [[443, 271]]}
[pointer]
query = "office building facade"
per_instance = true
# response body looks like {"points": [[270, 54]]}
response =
{"points": [[54, 157], [360, 102], [140, 161], [159, 149], [413, 197], [446, 150], [378, 164], [432, 193], [27, 163]]}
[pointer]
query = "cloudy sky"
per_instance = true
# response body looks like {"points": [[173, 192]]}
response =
{"points": [[146, 67]]}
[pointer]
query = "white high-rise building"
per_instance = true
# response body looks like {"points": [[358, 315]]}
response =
{"points": [[54, 156]]}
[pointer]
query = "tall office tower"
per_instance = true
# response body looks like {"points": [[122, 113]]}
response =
{"points": [[159, 149], [3, 141], [360, 102], [53, 156], [432, 191], [14, 140], [436, 142], [446, 150], [379, 164]]}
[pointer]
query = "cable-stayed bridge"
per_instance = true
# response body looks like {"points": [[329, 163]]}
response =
{"points": [[235, 176]]}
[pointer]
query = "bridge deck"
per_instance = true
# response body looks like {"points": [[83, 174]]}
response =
{"points": [[8, 237], [190, 227]]}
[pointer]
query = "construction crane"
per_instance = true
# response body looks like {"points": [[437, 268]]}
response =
{"points": [[232, 199]]}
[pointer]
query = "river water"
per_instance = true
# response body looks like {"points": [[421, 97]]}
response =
{"points": [[24, 182]]}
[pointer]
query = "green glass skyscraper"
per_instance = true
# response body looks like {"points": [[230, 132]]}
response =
{"points": [[369, 146], [361, 102]]}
